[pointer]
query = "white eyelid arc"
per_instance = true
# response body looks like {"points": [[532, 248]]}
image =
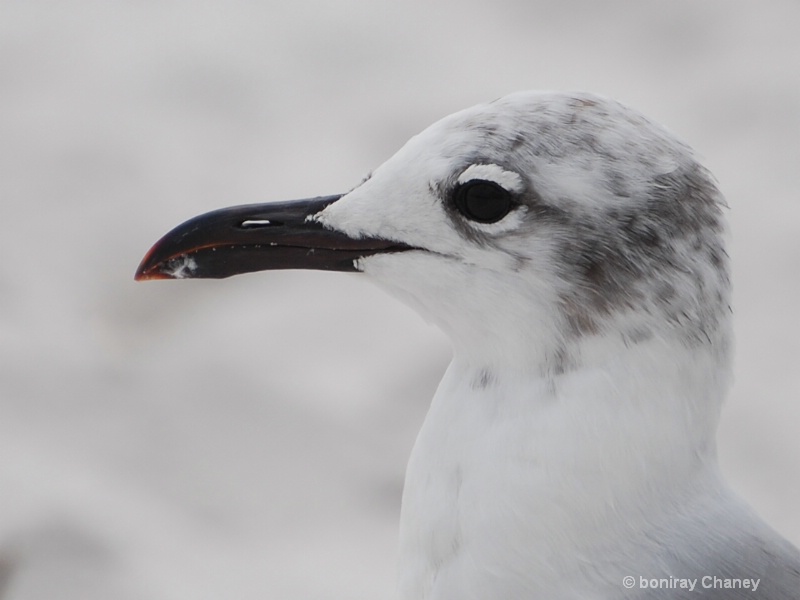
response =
{"points": [[510, 222], [508, 180]]}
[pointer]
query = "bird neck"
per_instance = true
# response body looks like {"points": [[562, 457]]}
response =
{"points": [[512, 468]]}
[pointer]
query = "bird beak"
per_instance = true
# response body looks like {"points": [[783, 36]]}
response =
{"points": [[258, 237]]}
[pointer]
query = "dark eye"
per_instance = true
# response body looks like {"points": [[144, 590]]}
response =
{"points": [[483, 201]]}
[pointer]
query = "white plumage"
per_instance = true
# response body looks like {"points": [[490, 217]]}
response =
{"points": [[571, 442]]}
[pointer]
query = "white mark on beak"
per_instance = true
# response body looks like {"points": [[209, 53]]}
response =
{"points": [[180, 267]]}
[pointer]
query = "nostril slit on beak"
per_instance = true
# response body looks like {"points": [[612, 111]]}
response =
{"points": [[258, 223]]}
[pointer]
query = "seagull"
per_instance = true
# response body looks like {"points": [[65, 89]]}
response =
{"points": [[573, 251]]}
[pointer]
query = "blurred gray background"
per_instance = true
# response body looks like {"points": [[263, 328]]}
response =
{"points": [[247, 438]]}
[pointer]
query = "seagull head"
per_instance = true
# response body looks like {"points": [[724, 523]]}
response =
{"points": [[528, 229], [573, 251]]}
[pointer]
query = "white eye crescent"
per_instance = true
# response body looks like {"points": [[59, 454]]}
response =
{"points": [[495, 173]]}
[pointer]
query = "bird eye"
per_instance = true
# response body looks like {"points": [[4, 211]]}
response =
{"points": [[483, 201]]}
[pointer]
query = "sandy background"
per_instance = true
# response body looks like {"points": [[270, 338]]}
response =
{"points": [[247, 438]]}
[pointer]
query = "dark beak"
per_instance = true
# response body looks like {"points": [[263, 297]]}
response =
{"points": [[257, 237]]}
